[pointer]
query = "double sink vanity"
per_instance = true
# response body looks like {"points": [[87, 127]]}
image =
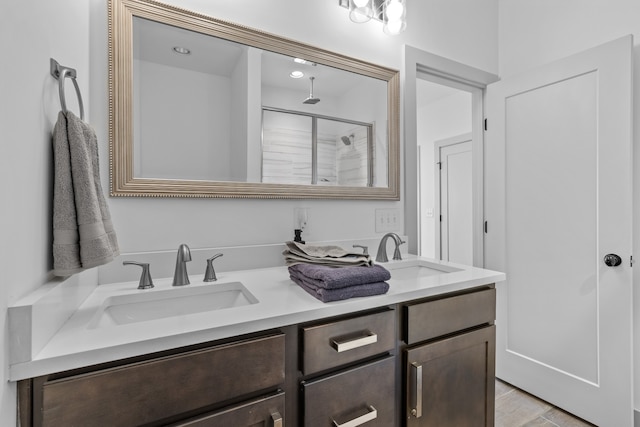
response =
{"points": [[253, 348]]}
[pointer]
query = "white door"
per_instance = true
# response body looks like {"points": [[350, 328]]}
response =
{"points": [[558, 201], [454, 184]]}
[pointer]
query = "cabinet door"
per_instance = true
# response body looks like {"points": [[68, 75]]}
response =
{"points": [[451, 382], [357, 396], [264, 412]]}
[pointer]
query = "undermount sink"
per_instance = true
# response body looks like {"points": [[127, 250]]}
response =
{"points": [[412, 270], [160, 304]]}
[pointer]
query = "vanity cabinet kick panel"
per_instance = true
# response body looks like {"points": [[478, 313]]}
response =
{"points": [[162, 388], [333, 344], [366, 392], [266, 411]]}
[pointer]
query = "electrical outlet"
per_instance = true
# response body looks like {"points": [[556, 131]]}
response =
{"points": [[387, 220]]}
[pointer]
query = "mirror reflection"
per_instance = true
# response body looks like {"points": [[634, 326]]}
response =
{"points": [[212, 109], [206, 108]]}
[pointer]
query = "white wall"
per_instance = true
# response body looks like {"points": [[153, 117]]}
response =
{"points": [[31, 31], [75, 32], [184, 123], [535, 33]]}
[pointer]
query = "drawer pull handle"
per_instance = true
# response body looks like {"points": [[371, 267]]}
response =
{"points": [[277, 419], [371, 415], [416, 386], [341, 346]]}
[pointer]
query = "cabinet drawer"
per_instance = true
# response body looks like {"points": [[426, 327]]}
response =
{"points": [[152, 390], [266, 411], [431, 319], [362, 395], [337, 343]]}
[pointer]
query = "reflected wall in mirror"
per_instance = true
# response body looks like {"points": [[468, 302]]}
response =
{"points": [[205, 108]]}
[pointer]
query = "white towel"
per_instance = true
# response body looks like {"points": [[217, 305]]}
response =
{"points": [[83, 235], [333, 256]]}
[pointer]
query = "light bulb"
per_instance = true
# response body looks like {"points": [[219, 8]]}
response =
{"points": [[394, 27], [394, 10], [360, 11]]}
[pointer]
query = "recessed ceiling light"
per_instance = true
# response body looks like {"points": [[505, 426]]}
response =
{"points": [[304, 61], [181, 50], [296, 74]]}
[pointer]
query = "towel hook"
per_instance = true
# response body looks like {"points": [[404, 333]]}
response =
{"points": [[60, 72]]}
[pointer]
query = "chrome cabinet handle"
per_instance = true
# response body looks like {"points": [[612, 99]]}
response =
{"points": [[341, 346], [416, 386], [277, 419], [371, 415]]}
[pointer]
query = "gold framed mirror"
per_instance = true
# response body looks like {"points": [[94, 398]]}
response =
{"points": [[200, 107]]}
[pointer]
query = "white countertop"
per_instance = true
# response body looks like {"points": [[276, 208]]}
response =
{"points": [[280, 303]]}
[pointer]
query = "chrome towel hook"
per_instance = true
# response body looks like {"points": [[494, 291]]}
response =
{"points": [[60, 72]]}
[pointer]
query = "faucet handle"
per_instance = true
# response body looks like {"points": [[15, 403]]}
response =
{"points": [[365, 249], [210, 273], [396, 253], [145, 278]]}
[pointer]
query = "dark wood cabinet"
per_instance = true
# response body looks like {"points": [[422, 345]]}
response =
{"points": [[332, 344], [348, 372], [264, 412], [427, 362], [361, 395], [451, 382], [449, 362], [160, 390]]}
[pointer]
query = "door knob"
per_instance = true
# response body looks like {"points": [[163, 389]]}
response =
{"points": [[612, 260]]}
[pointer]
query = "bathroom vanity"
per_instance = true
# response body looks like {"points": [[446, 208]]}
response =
{"points": [[420, 355]]}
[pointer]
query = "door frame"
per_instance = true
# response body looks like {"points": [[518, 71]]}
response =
{"points": [[437, 69], [437, 147]]}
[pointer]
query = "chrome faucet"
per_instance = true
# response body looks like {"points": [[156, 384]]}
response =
{"points": [[382, 248], [180, 276]]}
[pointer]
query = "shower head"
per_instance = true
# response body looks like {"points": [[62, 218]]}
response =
{"points": [[346, 140], [311, 99]]}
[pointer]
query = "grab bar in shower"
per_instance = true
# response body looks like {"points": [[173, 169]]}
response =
{"points": [[60, 72]]}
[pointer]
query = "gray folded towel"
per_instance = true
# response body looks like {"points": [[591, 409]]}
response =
{"points": [[336, 256], [335, 278], [83, 234], [328, 295]]}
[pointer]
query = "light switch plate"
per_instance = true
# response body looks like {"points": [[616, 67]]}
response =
{"points": [[387, 220]]}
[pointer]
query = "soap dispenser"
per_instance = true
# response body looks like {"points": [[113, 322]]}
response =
{"points": [[298, 236]]}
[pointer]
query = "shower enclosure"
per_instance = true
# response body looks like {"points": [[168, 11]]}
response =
{"points": [[306, 148]]}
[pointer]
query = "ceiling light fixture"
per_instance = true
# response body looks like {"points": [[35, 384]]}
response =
{"points": [[304, 61], [392, 13], [360, 10], [181, 50], [296, 74]]}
